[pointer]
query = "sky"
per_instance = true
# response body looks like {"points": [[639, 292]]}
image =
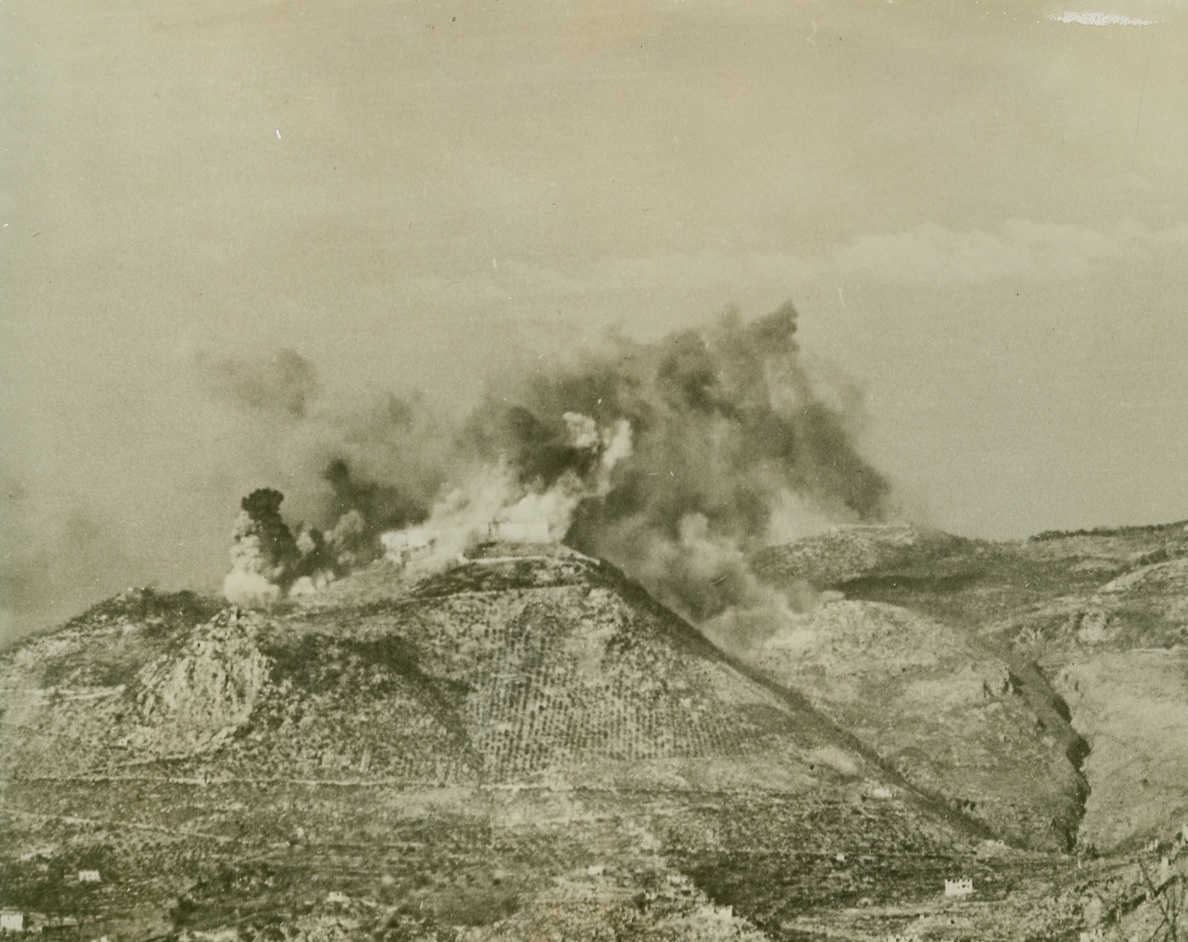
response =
{"points": [[979, 210]]}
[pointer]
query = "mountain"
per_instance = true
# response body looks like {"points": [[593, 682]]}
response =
{"points": [[462, 744], [526, 745], [521, 671], [1094, 624]]}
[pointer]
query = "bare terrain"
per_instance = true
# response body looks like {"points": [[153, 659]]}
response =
{"points": [[528, 746]]}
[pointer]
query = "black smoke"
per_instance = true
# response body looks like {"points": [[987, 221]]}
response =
{"points": [[734, 443], [733, 435], [381, 506]]}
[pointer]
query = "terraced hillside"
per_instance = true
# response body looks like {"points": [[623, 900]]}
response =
{"points": [[500, 671], [519, 738]]}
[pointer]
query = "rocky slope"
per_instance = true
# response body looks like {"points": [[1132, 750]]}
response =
{"points": [[941, 709], [1118, 652], [520, 671], [527, 746], [1094, 624], [515, 742]]}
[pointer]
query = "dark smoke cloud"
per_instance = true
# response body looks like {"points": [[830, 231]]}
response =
{"points": [[381, 455], [735, 445], [674, 459], [380, 506], [727, 423], [264, 553]]}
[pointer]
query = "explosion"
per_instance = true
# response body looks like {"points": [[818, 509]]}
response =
{"points": [[675, 460], [496, 500], [263, 554], [267, 562]]}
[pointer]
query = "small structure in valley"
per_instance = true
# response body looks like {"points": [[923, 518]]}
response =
{"points": [[960, 887], [88, 876]]}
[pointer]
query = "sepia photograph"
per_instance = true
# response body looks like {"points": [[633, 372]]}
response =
{"points": [[598, 471]]}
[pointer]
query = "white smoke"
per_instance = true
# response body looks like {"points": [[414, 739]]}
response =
{"points": [[250, 589], [260, 553], [675, 460], [493, 503]]}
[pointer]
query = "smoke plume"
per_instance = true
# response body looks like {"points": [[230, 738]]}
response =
{"points": [[264, 554], [500, 499], [733, 434], [674, 459]]}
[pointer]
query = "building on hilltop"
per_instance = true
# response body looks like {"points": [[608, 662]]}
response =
{"points": [[403, 546], [19, 922], [532, 530], [58, 926]]}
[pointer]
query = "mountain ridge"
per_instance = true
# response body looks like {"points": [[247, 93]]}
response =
{"points": [[529, 744]]}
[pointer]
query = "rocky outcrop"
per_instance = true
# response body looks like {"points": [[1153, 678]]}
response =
{"points": [[192, 702]]}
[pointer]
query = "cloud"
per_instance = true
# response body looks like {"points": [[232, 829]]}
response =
{"points": [[932, 255], [511, 279], [928, 255], [1088, 18]]}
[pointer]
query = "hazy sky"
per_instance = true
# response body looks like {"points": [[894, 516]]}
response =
{"points": [[980, 210]]}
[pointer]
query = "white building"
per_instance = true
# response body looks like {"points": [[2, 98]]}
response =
{"points": [[88, 876], [962, 887], [12, 920]]}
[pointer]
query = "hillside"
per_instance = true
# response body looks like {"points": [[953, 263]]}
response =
{"points": [[1094, 624], [942, 710], [525, 741], [845, 553], [528, 746], [519, 671]]}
